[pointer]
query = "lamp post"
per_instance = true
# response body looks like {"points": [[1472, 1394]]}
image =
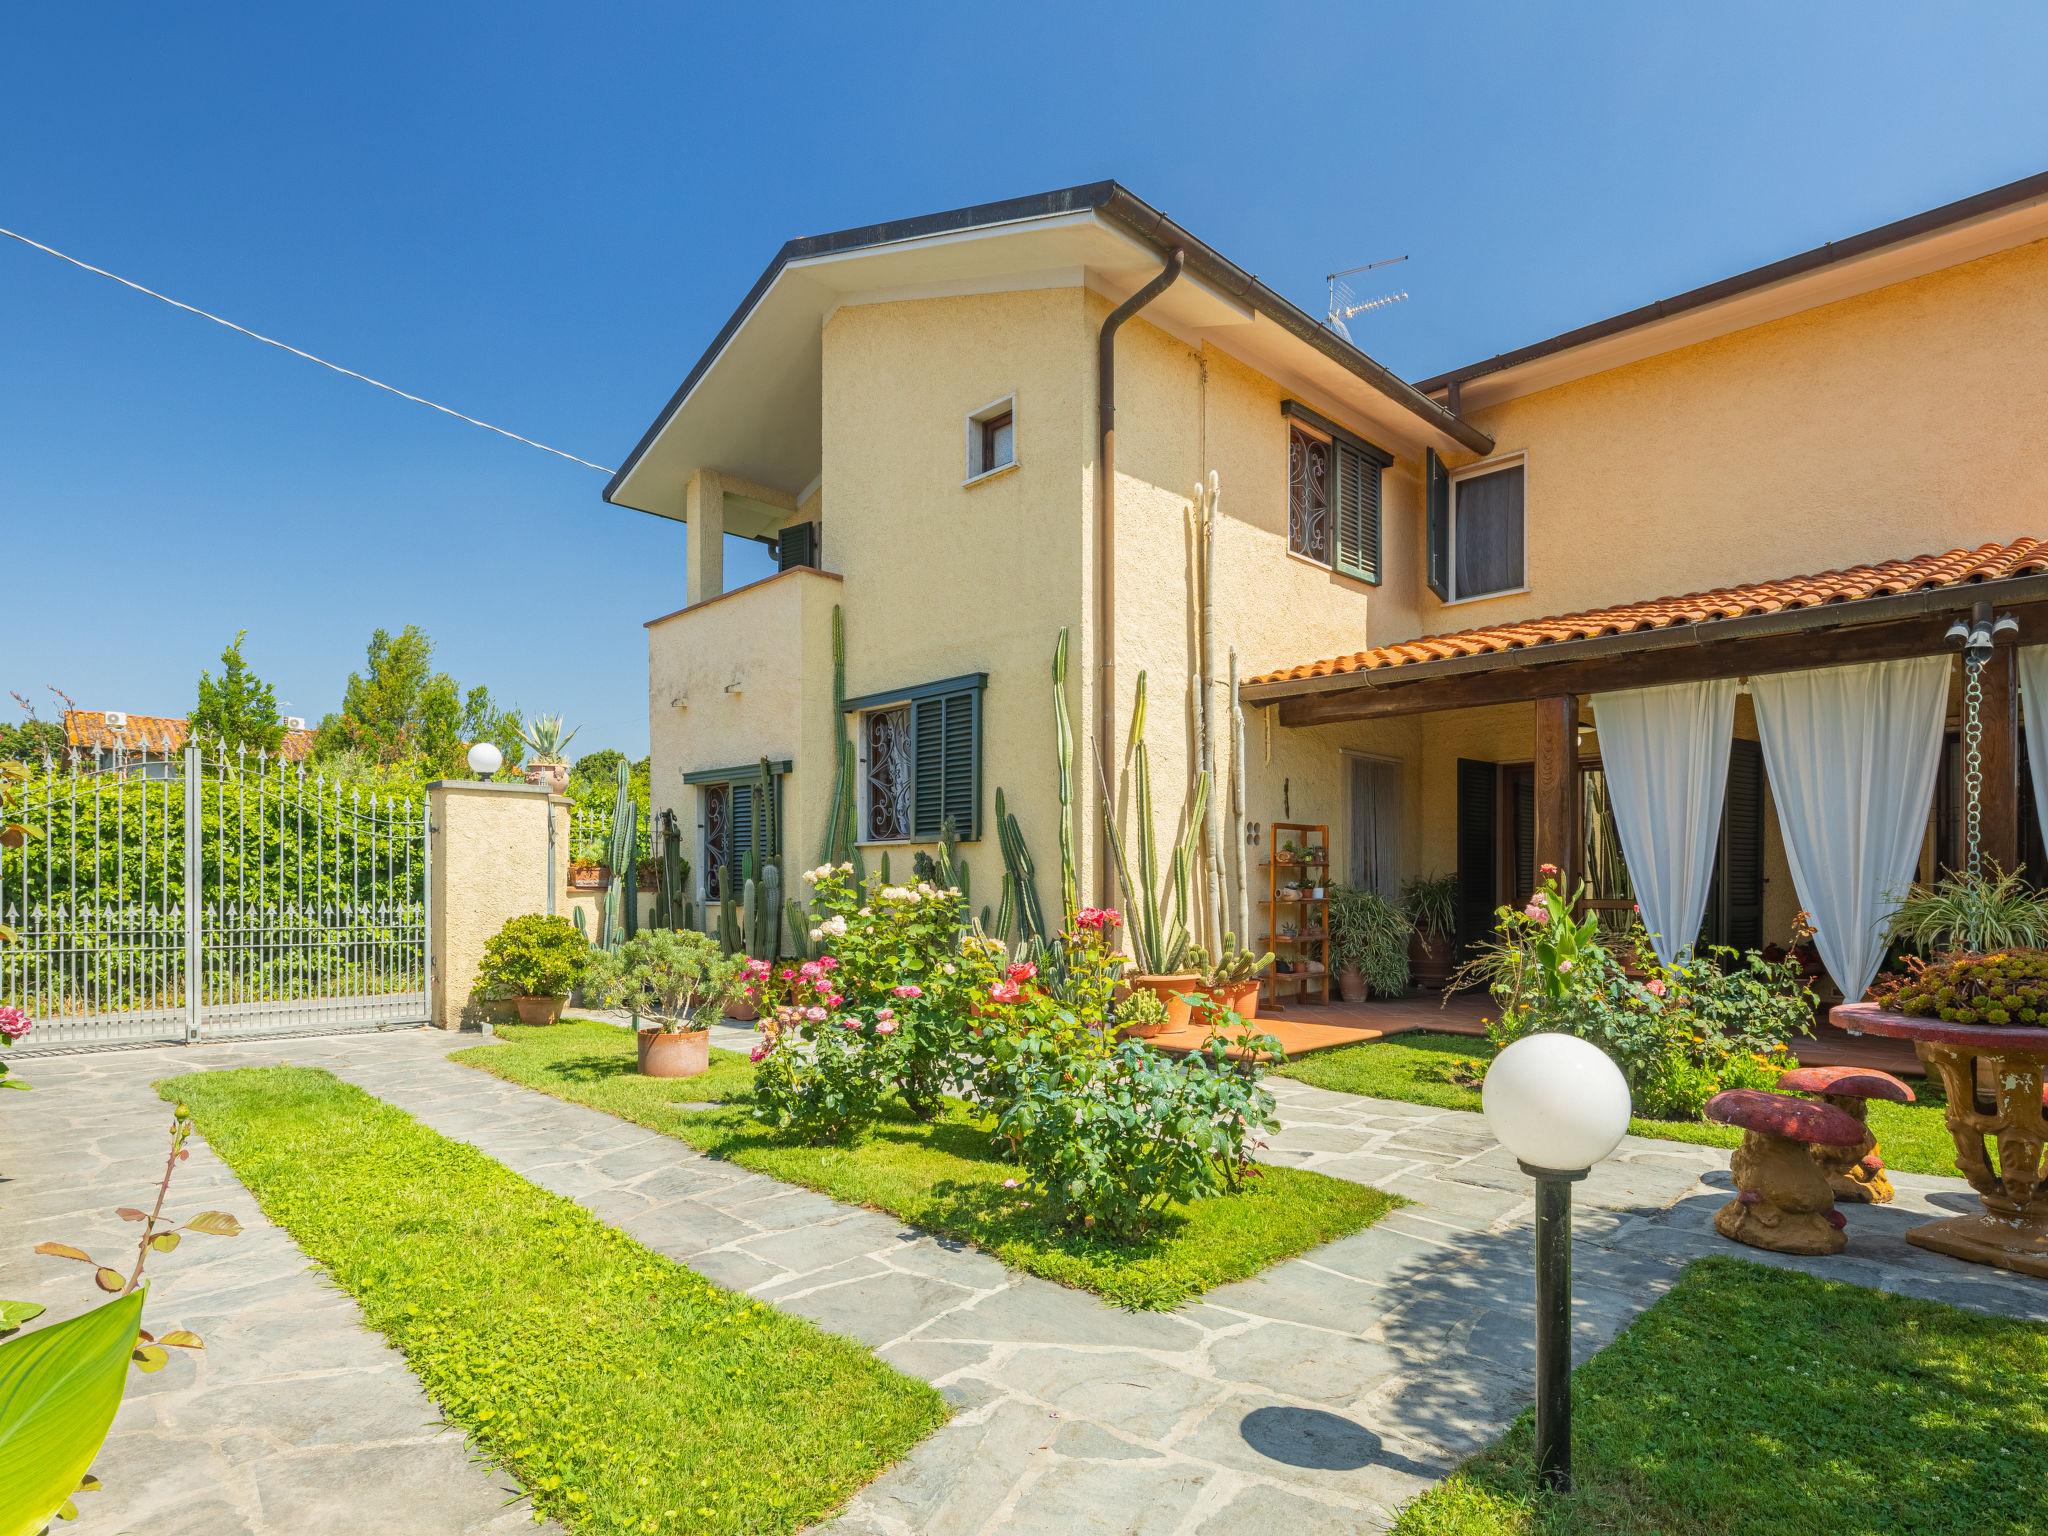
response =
{"points": [[485, 759], [1560, 1105]]}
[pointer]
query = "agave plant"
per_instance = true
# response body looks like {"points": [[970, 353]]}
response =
{"points": [[1975, 914], [546, 738]]}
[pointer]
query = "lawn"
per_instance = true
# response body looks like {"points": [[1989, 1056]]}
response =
{"points": [[626, 1392], [942, 1177], [1762, 1401], [1911, 1138]]}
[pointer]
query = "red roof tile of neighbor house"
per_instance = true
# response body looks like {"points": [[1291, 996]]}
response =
{"points": [[87, 730], [1956, 567]]}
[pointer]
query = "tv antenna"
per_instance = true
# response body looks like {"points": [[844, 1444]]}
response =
{"points": [[1346, 305]]}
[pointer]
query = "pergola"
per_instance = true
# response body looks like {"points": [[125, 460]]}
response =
{"points": [[1897, 609]]}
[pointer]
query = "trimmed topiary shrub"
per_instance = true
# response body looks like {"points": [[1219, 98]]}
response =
{"points": [[2009, 987]]}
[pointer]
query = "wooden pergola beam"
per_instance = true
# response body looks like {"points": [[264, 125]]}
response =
{"points": [[1531, 676]]}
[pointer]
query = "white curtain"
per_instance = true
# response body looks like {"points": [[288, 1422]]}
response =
{"points": [[1665, 754], [2033, 661], [1852, 753]]}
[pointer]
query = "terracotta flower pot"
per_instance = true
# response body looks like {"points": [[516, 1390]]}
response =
{"points": [[540, 1010], [1429, 959], [1351, 984], [553, 777], [1173, 991], [674, 1052], [1242, 997], [741, 1010]]}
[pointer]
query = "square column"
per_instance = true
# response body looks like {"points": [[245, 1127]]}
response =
{"points": [[1557, 787], [704, 537]]}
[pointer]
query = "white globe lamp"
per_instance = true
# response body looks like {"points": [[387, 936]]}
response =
{"points": [[1560, 1105], [485, 759], [1557, 1102]]}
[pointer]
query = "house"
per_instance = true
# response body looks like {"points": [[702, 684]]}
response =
{"points": [[968, 432], [144, 744]]}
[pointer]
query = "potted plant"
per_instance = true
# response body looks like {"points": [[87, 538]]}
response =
{"points": [[1160, 903], [675, 982], [1368, 943], [1233, 981], [1140, 1015], [1430, 903], [535, 961], [546, 739]]}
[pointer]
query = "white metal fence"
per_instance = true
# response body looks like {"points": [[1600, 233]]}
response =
{"points": [[203, 896]]}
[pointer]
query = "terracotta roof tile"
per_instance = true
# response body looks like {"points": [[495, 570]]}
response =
{"points": [[87, 729], [1956, 567]]}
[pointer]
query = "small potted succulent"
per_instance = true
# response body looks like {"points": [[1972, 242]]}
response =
{"points": [[535, 961], [1140, 1015], [676, 983], [1232, 980], [1368, 944], [1430, 902], [546, 740]]}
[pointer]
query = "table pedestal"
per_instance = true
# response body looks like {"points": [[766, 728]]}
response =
{"points": [[1993, 1107]]}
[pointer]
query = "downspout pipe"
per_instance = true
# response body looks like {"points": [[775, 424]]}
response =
{"points": [[1105, 547]]}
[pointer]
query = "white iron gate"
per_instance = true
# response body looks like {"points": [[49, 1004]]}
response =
{"points": [[208, 896]]}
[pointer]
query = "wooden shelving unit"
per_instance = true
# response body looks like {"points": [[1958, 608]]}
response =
{"points": [[1308, 948]]}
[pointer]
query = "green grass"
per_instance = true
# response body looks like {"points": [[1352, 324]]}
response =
{"points": [[1912, 1138], [1765, 1402], [942, 1176], [627, 1393]]}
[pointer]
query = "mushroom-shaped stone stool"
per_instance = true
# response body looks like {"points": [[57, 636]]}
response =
{"points": [[1783, 1202], [1854, 1173]]}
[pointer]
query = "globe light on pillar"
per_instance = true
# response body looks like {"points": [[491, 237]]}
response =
{"points": [[485, 759], [1559, 1105]]}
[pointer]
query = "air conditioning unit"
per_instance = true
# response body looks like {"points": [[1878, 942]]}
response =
{"points": [[295, 722], [116, 720]]}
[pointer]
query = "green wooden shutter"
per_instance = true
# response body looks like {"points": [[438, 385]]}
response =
{"points": [[1739, 870], [945, 775], [1437, 488], [1357, 503], [1478, 849], [797, 545]]}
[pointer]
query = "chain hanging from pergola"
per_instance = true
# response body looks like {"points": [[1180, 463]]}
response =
{"points": [[1977, 637]]}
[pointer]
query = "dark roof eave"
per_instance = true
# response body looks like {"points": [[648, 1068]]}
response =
{"points": [[2026, 189], [1131, 213]]}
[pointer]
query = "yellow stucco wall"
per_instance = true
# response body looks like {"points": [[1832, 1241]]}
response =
{"points": [[733, 680], [1886, 425], [489, 861]]}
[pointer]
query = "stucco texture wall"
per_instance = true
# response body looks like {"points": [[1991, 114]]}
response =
{"points": [[1880, 426], [490, 862], [745, 676], [945, 578]]}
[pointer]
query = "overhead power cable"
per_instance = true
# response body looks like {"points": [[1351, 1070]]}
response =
{"points": [[283, 346]]}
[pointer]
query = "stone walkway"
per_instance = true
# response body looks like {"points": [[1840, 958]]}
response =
{"points": [[1316, 1397]]}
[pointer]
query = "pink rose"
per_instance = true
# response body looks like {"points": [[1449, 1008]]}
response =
{"points": [[1023, 972], [815, 1015], [885, 1013], [14, 1023], [827, 963], [757, 1053], [886, 1027], [1655, 987], [1563, 966], [1005, 992], [1535, 910], [907, 991], [1009, 1183]]}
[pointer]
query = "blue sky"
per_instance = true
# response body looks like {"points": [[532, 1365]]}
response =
{"points": [[541, 213]]}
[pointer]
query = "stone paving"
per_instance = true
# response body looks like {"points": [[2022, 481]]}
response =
{"points": [[1316, 1397]]}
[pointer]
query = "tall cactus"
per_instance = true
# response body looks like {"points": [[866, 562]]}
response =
{"points": [[1159, 914], [622, 899], [1020, 875], [673, 906], [1070, 898], [839, 847]]}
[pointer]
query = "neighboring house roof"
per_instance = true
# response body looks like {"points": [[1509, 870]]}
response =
{"points": [[1890, 578], [1925, 242], [88, 730], [1097, 233]]}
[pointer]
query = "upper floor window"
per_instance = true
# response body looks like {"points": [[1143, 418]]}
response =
{"points": [[921, 761], [992, 438], [1486, 531], [1333, 494]]}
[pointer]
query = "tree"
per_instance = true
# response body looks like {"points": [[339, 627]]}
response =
{"points": [[238, 710], [398, 709]]}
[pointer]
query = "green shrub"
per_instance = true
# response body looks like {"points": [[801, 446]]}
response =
{"points": [[1370, 933], [2004, 988], [1110, 1141], [1975, 914], [533, 956], [674, 976]]}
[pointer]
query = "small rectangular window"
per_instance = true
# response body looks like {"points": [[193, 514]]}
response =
{"points": [[992, 438], [1487, 534], [1333, 494]]}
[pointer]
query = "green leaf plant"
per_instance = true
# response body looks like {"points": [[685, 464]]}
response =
{"points": [[61, 1386]]}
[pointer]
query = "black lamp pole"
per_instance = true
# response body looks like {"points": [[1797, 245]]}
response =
{"points": [[1554, 1325]]}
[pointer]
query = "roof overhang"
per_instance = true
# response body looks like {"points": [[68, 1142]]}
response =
{"points": [[752, 405], [1992, 221]]}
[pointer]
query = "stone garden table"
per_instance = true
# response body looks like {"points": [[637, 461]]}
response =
{"points": [[1992, 1075]]}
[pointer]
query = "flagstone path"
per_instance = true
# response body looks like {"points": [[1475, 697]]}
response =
{"points": [[1316, 1397]]}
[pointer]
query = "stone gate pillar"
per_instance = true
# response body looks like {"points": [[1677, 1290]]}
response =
{"points": [[498, 851]]}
